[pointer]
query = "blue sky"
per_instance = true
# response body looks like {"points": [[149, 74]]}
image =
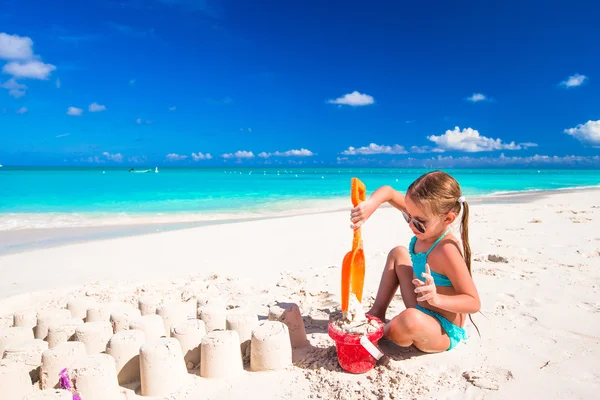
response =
{"points": [[184, 82]]}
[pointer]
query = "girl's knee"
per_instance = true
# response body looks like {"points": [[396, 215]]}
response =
{"points": [[400, 254], [408, 321]]}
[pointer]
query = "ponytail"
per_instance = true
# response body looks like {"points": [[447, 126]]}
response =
{"points": [[464, 237]]}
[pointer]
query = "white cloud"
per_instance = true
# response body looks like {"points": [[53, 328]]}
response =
{"points": [[63, 135], [58, 83], [14, 47], [95, 107], [22, 110], [23, 63], [470, 141], [502, 160], [588, 133], [353, 99], [14, 88], [474, 162], [90, 160], [74, 111], [13, 84], [290, 153], [139, 121], [475, 97], [176, 157], [17, 94], [29, 69], [375, 149], [118, 157], [574, 81], [425, 149], [172, 108], [201, 156], [239, 154], [137, 159]]}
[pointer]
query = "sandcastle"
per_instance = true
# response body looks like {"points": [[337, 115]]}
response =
{"points": [[95, 336], [62, 332], [289, 314], [221, 356], [125, 347], [95, 377], [111, 350], [189, 334], [56, 359], [28, 353], [270, 347], [162, 368], [25, 319], [15, 382], [243, 322]]}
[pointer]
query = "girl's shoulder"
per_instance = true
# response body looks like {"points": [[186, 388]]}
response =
{"points": [[448, 247]]}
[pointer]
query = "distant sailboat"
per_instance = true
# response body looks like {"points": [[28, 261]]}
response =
{"points": [[156, 170], [145, 171]]}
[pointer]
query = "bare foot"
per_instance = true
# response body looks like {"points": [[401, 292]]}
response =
{"points": [[376, 313]]}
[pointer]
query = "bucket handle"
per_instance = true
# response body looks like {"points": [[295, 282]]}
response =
{"points": [[370, 347]]}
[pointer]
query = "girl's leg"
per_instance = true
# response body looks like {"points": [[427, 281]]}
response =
{"points": [[412, 326], [397, 272]]}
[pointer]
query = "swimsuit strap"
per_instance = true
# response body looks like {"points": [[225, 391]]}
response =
{"points": [[437, 241]]}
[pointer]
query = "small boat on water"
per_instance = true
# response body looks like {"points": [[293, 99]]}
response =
{"points": [[156, 170], [142, 171]]}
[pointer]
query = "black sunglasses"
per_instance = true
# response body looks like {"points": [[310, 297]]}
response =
{"points": [[419, 225]]}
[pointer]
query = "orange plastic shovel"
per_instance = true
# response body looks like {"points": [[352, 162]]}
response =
{"points": [[353, 265]]}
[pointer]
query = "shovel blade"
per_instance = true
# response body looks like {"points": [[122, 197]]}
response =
{"points": [[346, 270], [357, 274]]}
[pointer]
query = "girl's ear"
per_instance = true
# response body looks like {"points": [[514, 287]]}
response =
{"points": [[450, 218]]}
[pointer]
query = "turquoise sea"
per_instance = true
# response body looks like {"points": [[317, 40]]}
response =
{"points": [[72, 194]]}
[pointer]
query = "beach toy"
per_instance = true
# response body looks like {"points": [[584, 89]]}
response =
{"points": [[357, 353], [65, 383], [353, 265]]}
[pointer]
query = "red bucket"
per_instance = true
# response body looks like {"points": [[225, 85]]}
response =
{"points": [[354, 356]]}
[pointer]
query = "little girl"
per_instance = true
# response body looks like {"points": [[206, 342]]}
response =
{"points": [[433, 273]]}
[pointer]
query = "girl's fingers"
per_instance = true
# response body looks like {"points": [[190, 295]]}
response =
{"points": [[425, 297], [428, 278], [417, 282], [422, 289]]}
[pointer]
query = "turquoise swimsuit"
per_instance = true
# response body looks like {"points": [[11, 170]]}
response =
{"points": [[454, 332]]}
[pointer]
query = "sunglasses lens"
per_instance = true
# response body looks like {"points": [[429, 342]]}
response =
{"points": [[406, 217], [419, 226]]}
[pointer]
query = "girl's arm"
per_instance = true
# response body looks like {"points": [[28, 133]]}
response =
{"points": [[466, 300], [385, 194]]}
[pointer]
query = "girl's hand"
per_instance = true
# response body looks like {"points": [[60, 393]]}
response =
{"points": [[427, 289], [362, 212]]}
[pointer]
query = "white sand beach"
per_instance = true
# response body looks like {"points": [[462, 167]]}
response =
{"points": [[536, 266]]}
